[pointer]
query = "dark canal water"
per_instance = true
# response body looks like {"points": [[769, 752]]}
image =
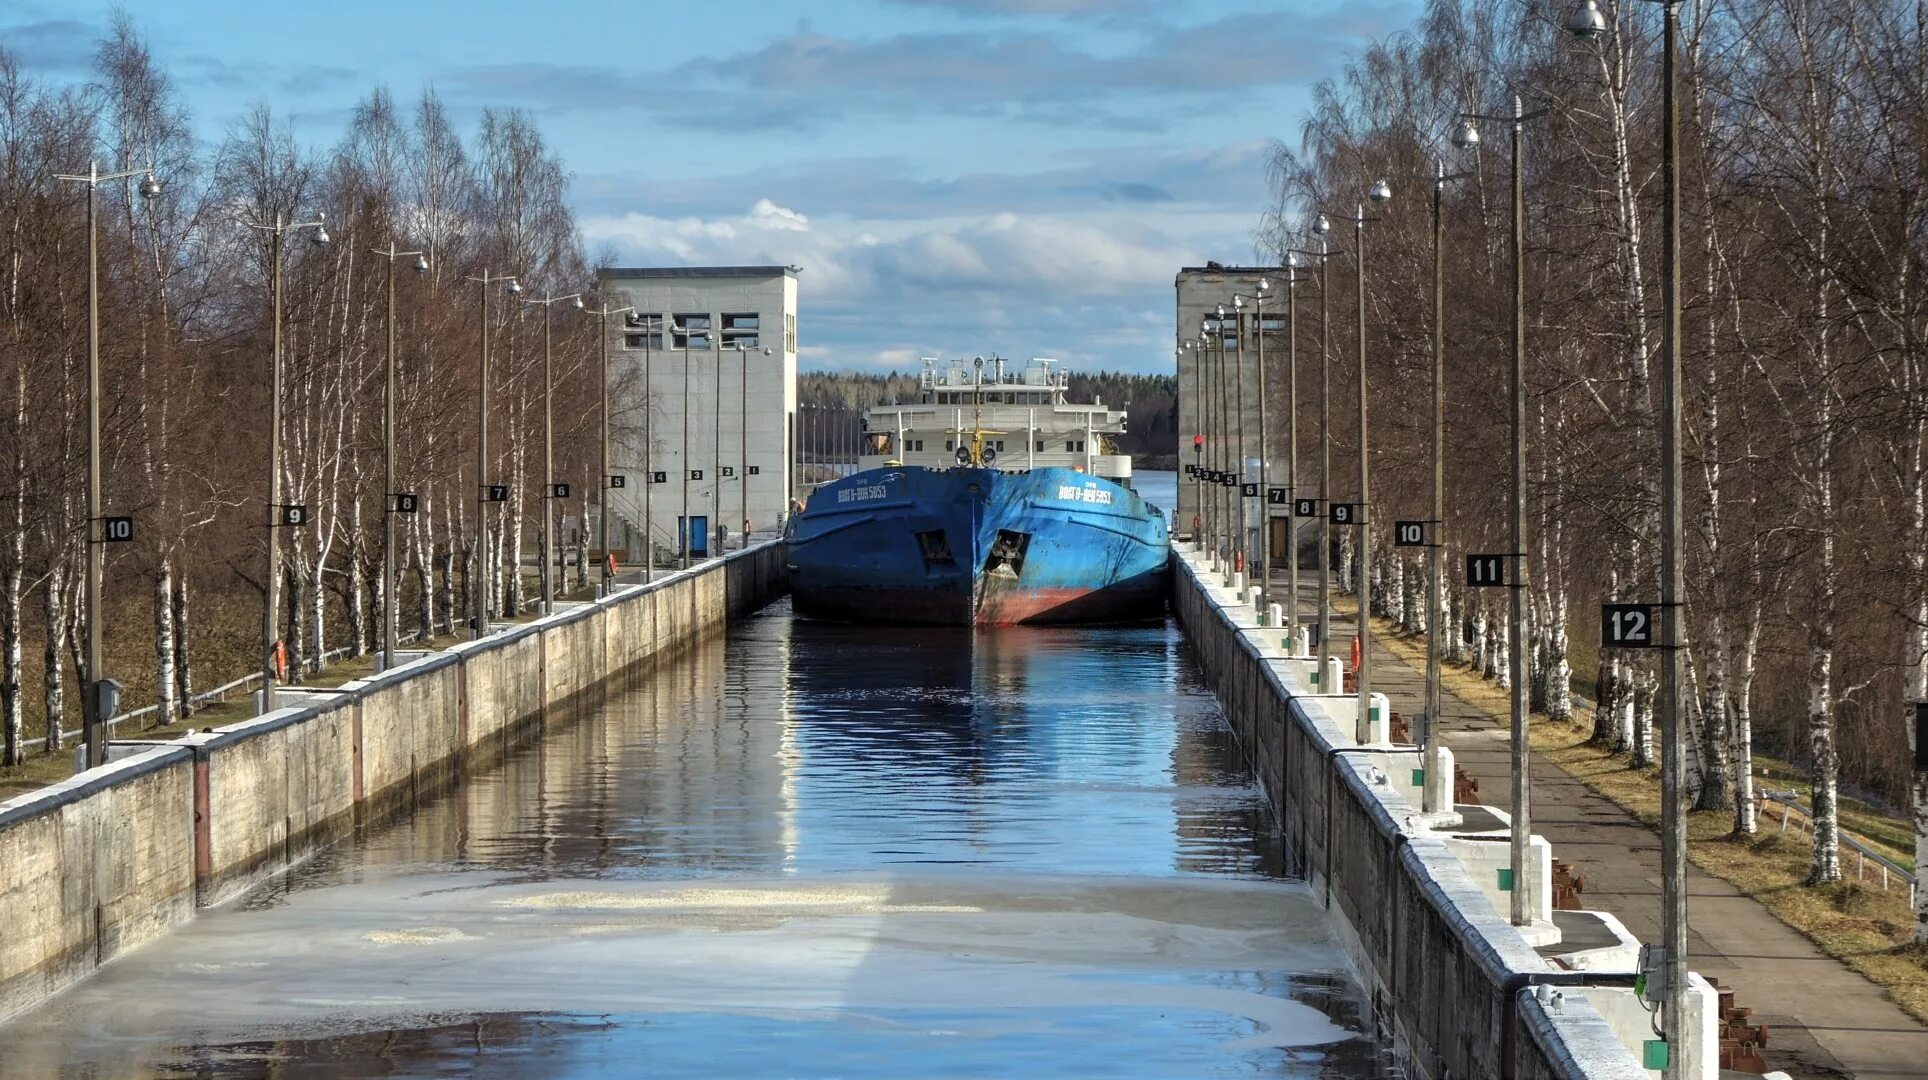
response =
{"points": [[801, 850]]}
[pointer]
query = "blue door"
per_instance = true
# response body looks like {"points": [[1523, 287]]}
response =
{"points": [[699, 538]]}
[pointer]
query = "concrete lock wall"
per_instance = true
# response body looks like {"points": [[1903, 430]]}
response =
{"points": [[1450, 981], [116, 856]]}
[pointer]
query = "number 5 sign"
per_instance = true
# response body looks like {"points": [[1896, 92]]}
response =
{"points": [[1629, 626]]}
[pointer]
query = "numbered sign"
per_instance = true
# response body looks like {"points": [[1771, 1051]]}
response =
{"points": [[1275, 497], [1250, 491], [1629, 626], [1191, 469], [498, 493], [1305, 508], [617, 480], [696, 474], [659, 478], [1230, 480], [728, 470], [1409, 534], [558, 491], [406, 502], [294, 515], [117, 530], [1342, 513], [755, 470], [1485, 570]]}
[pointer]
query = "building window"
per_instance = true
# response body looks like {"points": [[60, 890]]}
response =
{"points": [[917, 445], [742, 328], [948, 447], [1271, 322], [691, 330], [643, 330], [1040, 446], [1074, 446], [789, 333]]}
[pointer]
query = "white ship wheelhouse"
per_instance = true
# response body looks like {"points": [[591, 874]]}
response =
{"points": [[1020, 413]]}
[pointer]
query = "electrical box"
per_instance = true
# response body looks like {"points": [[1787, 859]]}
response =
{"points": [[1651, 982]]}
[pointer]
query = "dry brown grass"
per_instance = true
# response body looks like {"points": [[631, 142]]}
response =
{"points": [[1860, 925]]}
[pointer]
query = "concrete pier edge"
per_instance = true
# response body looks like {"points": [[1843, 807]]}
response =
{"points": [[1453, 985], [117, 856]]}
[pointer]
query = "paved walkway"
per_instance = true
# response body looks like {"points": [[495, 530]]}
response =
{"points": [[1846, 1026]]}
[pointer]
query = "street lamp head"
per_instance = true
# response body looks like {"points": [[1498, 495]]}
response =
{"points": [[514, 287], [1588, 22], [1320, 226], [1291, 260], [1264, 284], [1380, 192], [150, 186], [321, 234], [421, 264], [1467, 137], [576, 303]]}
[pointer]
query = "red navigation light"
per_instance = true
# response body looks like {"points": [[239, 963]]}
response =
{"points": [[1198, 442]]}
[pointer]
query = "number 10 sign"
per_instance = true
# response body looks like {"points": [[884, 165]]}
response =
{"points": [[1629, 626]]}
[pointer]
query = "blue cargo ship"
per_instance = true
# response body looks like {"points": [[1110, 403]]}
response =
{"points": [[974, 534]]}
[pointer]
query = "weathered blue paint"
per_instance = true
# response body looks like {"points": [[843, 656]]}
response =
{"points": [[910, 544]]}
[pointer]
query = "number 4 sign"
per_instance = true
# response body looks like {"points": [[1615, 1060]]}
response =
{"points": [[1629, 626]]}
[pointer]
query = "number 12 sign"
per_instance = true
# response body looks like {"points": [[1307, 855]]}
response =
{"points": [[1629, 626]]}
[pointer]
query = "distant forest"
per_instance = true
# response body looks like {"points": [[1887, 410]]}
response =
{"points": [[1150, 403]]}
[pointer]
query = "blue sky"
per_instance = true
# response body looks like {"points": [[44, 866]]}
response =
{"points": [[954, 176]]}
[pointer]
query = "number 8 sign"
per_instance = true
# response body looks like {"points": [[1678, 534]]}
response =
{"points": [[1629, 626]]}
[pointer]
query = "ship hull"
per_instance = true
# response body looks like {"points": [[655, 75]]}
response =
{"points": [[977, 547]]}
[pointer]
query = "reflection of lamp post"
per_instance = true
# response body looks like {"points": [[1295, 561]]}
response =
{"points": [[1587, 23], [602, 315], [549, 488], [480, 601], [392, 498], [276, 512], [92, 706], [1522, 826]]}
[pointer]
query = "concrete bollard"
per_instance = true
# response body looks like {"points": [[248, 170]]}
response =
{"points": [[1275, 616], [1302, 641], [1255, 597], [1439, 780], [1379, 719], [1330, 676], [1237, 583]]}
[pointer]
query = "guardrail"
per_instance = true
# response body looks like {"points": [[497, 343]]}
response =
{"points": [[1790, 804]]}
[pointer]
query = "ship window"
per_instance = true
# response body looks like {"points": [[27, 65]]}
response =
{"points": [[936, 548], [1040, 446], [1000, 446], [948, 447]]}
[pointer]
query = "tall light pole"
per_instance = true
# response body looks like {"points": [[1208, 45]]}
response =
{"points": [[609, 481], [1320, 228], [1380, 192], [479, 625], [1263, 561], [1241, 558], [686, 523], [1586, 23], [395, 502], [1292, 432], [1522, 825], [277, 514], [743, 433], [93, 704], [550, 489]]}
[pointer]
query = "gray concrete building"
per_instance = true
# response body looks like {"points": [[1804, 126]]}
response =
{"points": [[1229, 381], [704, 395]]}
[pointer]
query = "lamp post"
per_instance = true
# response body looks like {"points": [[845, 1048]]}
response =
{"points": [[277, 514], [1263, 567], [479, 624], [684, 522], [1221, 541], [1321, 228], [393, 498], [1588, 23], [1208, 378], [602, 315], [743, 434], [93, 704], [1380, 192], [1522, 825], [550, 489]]}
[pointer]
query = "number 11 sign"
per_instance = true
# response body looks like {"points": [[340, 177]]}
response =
{"points": [[1629, 626]]}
